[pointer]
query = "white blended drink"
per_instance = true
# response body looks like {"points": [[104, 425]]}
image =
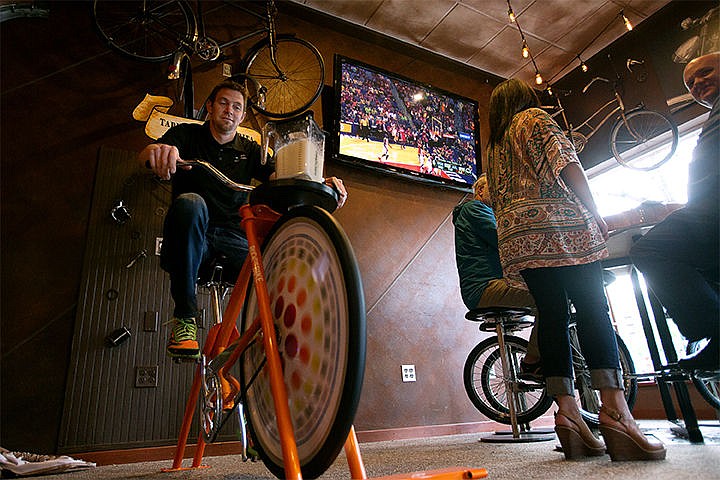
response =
{"points": [[300, 159]]}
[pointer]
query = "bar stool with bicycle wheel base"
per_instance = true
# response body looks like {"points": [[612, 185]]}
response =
{"points": [[499, 320]]}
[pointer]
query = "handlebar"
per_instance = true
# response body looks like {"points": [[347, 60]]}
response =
{"points": [[601, 79], [238, 187]]}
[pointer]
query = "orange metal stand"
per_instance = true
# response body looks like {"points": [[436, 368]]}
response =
{"points": [[257, 220]]}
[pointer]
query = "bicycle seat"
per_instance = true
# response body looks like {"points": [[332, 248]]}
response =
{"points": [[217, 270], [512, 318], [285, 194]]}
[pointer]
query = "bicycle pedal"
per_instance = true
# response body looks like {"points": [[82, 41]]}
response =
{"points": [[185, 358]]}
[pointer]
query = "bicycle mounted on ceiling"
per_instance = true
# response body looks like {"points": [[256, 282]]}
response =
{"points": [[283, 74]]}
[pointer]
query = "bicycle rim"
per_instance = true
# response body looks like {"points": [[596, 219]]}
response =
{"points": [[149, 31], [317, 301], [641, 132], [485, 383], [294, 85]]}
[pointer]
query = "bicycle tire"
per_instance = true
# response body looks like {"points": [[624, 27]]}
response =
{"points": [[588, 398], [485, 386], [296, 89], [639, 127], [708, 389], [317, 299], [145, 30]]}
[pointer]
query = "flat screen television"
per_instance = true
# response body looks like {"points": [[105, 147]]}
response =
{"points": [[396, 125]]}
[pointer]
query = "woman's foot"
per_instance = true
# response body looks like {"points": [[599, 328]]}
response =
{"points": [[575, 437], [624, 439]]}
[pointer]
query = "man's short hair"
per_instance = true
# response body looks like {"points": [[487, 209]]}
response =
{"points": [[230, 85], [481, 180]]}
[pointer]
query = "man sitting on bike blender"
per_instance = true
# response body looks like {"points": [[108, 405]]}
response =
{"points": [[481, 277], [679, 256], [203, 220]]}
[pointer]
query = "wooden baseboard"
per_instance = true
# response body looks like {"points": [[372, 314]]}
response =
{"points": [[649, 403], [648, 406], [405, 433], [150, 454]]}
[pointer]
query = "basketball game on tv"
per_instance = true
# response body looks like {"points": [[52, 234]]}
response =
{"points": [[403, 126]]}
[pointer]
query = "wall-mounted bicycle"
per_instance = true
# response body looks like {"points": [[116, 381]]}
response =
{"points": [[283, 74], [635, 131]]}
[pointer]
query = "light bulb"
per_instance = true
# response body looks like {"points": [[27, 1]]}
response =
{"points": [[627, 23], [538, 78], [549, 90], [525, 51], [511, 15], [583, 66]]}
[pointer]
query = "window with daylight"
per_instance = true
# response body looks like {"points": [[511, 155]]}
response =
{"points": [[617, 189]]}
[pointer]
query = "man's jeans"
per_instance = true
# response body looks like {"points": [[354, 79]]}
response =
{"points": [[679, 259], [188, 241]]}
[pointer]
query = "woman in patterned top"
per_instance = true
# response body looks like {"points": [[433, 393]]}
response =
{"points": [[550, 233]]}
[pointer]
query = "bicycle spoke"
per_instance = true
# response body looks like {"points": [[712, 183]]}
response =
{"points": [[145, 30], [637, 133], [292, 82]]}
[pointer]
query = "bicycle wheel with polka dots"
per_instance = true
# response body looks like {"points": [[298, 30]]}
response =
{"points": [[318, 306]]}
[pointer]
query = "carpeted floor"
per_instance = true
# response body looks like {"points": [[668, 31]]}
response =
{"points": [[501, 460]]}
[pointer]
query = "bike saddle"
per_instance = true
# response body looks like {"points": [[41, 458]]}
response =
{"points": [[217, 270]]}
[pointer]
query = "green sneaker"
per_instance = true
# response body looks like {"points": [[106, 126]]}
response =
{"points": [[183, 339]]}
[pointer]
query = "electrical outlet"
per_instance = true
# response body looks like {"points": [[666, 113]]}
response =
{"points": [[146, 376], [408, 373], [150, 323]]}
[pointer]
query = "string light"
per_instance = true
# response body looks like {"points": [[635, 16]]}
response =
{"points": [[627, 23], [526, 53], [583, 65]]}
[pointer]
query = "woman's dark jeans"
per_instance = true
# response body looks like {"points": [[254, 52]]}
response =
{"points": [[552, 288], [188, 241]]}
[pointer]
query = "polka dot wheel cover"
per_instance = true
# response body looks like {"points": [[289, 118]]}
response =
{"points": [[307, 295]]}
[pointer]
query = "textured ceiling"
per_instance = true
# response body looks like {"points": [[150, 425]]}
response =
{"points": [[479, 33]]}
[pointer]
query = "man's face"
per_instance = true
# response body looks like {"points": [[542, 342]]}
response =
{"points": [[227, 110], [702, 79]]}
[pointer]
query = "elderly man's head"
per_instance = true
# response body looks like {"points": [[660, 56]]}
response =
{"points": [[480, 189], [702, 78]]}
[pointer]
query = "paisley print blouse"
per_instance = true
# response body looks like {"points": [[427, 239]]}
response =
{"points": [[540, 221]]}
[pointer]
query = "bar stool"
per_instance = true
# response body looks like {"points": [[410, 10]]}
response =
{"points": [[501, 320]]}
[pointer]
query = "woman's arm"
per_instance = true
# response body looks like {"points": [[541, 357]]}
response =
{"points": [[574, 177]]}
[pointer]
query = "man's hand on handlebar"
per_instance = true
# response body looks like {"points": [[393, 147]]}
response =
{"points": [[161, 159], [339, 187]]}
